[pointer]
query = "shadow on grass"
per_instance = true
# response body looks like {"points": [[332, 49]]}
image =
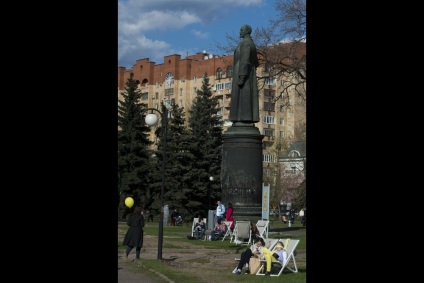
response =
{"points": [[286, 229]]}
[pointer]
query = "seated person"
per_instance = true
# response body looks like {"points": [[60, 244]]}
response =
{"points": [[200, 229], [219, 230], [278, 254], [255, 250]]}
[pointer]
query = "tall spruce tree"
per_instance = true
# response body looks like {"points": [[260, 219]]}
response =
{"points": [[178, 162], [206, 130], [133, 142]]}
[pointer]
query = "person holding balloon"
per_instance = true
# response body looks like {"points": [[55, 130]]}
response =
{"points": [[134, 236]]}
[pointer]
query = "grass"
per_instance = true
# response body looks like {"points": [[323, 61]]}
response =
{"points": [[175, 235]]}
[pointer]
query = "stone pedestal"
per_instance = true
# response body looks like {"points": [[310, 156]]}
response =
{"points": [[241, 170]]}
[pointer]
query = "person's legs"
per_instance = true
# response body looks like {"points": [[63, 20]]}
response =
{"points": [[268, 257], [127, 252], [129, 249], [137, 252], [244, 258]]}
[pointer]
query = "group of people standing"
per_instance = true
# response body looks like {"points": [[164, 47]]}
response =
{"points": [[222, 214]]}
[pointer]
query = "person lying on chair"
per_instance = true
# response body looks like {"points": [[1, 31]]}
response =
{"points": [[279, 254], [255, 250]]}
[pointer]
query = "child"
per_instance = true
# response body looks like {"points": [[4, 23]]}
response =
{"points": [[279, 254]]}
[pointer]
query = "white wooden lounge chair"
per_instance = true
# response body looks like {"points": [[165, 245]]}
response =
{"points": [[228, 233], [195, 220], [262, 226], [290, 263], [242, 233]]}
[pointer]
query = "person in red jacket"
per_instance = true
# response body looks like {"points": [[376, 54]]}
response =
{"points": [[229, 215]]}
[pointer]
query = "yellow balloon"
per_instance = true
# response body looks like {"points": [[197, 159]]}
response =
{"points": [[129, 202]]}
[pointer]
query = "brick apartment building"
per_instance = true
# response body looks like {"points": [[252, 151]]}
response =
{"points": [[177, 80]]}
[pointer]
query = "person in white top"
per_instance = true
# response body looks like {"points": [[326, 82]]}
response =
{"points": [[220, 211]]}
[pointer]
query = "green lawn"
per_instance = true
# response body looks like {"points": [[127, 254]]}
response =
{"points": [[176, 234]]}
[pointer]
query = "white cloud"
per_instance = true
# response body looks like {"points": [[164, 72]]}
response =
{"points": [[139, 18], [199, 34]]}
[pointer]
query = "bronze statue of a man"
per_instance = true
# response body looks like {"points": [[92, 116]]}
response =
{"points": [[244, 107]]}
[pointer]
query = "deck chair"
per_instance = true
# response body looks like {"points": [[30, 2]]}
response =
{"points": [[228, 233], [289, 245], [262, 226], [195, 220], [270, 243], [242, 233]]}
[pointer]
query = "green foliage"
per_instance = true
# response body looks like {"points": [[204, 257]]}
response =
{"points": [[178, 163], [206, 131], [133, 153]]}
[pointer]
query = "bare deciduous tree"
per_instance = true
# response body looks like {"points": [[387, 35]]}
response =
{"points": [[282, 48]]}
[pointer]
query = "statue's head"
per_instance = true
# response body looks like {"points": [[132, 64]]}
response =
{"points": [[246, 29]]}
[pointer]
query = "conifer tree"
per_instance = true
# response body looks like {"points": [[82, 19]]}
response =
{"points": [[206, 130], [178, 162], [133, 142]]}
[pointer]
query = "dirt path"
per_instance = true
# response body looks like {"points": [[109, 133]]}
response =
{"points": [[186, 259]]}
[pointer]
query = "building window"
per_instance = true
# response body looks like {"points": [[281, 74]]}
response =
{"points": [[219, 86], [294, 154], [267, 145], [269, 81], [181, 91], [269, 93], [194, 90], [269, 106], [228, 85], [144, 96], [267, 172], [282, 121], [195, 79], [169, 91], [268, 158], [268, 120], [168, 103], [269, 132], [219, 73], [267, 67], [169, 80], [229, 72], [281, 134]]}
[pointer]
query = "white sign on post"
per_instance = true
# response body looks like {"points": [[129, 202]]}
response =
{"points": [[265, 201]]}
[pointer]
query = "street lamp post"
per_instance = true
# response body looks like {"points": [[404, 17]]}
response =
{"points": [[209, 193], [151, 120]]}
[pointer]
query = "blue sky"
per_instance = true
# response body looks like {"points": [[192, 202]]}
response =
{"points": [[156, 28]]}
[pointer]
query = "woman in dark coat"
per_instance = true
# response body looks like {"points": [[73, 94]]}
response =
{"points": [[134, 236]]}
